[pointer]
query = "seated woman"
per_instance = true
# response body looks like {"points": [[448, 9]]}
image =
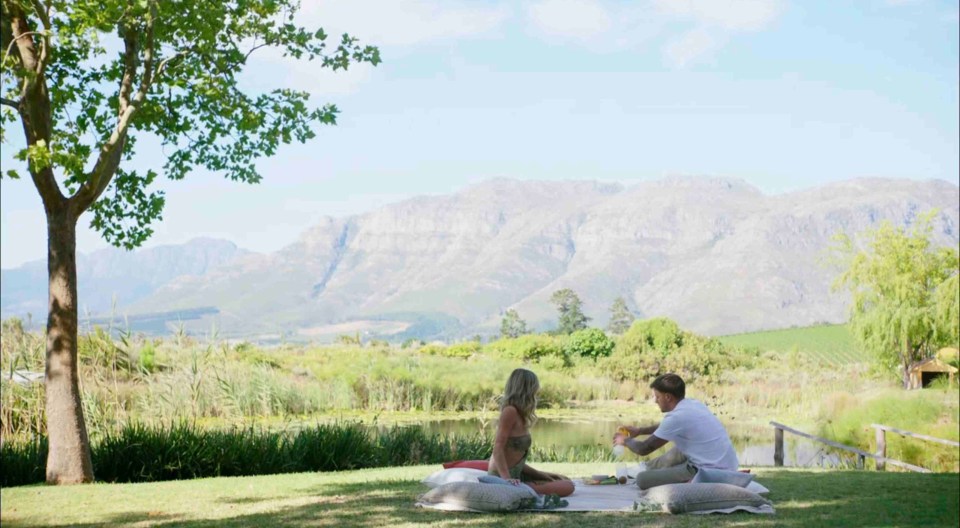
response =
{"points": [[518, 407]]}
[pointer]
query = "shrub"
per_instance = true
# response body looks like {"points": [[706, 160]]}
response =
{"points": [[657, 346], [433, 349], [527, 347], [589, 342], [464, 349]]}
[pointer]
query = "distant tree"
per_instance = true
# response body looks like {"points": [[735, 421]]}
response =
{"points": [[904, 292], [569, 306], [84, 80], [347, 339], [512, 325], [620, 317]]}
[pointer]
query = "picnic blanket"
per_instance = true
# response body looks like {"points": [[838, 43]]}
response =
{"points": [[587, 496], [614, 497]]}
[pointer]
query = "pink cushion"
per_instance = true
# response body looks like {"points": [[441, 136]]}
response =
{"points": [[471, 464]]}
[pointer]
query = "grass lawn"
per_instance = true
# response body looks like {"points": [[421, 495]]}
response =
{"points": [[385, 497]]}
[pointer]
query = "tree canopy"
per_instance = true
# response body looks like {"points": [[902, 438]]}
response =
{"points": [[88, 79], [512, 325], [571, 314], [904, 291], [620, 317]]}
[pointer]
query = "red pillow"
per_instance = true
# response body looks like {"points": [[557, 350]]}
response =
{"points": [[470, 464]]}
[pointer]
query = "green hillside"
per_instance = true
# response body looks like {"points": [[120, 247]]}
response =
{"points": [[828, 344]]}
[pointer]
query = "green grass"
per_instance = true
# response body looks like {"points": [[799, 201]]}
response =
{"points": [[385, 497], [825, 344]]}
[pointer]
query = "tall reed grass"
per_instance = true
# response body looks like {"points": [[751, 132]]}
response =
{"points": [[144, 453]]}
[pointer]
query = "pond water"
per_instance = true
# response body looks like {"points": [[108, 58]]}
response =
{"points": [[754, 445]]}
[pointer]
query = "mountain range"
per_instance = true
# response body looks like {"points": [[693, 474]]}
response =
{"points": [[717, 255]]}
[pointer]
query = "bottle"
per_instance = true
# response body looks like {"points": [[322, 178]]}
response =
{"points": [[621, 473], [618, 449]]}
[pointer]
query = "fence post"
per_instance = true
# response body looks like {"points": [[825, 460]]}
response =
{"points": [[881, 449], [777, 446]]}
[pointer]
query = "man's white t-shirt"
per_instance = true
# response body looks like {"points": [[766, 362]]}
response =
{"points": [[699, 435]]}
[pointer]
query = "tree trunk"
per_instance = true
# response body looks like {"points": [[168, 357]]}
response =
{"points": [[906, 374], [68, 459]]}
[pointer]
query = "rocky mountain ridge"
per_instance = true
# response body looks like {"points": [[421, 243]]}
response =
{"points": [[717, 255]]}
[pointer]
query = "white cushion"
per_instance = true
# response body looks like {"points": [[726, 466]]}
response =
{"points": [[702, 497], [723, 476], [475, 496], [446, 476], [757, 488]]}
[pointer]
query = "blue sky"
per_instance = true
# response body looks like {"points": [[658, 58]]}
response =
{"points": [[783, 94]]}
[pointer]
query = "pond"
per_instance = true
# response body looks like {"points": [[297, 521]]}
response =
{"points": [[754, 445]]}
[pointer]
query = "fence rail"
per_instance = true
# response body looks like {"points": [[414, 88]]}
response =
{"points": [[881, 431], [880, 458]]}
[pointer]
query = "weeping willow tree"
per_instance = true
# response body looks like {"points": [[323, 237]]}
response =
{"points": [[84, 79], [905, 301]]}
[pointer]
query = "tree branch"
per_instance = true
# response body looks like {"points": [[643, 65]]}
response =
{"points": [[35, 116], [130, 55], [43, 12], [112, 151], [10, 102], [14, 41]]}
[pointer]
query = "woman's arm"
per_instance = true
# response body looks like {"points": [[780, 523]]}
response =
{"points": [[509, 417]]}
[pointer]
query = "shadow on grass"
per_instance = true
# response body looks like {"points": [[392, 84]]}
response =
{"points": [[119, 519], [802, 500]]}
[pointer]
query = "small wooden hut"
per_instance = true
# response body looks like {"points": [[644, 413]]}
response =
{"points": [[924, 372]]}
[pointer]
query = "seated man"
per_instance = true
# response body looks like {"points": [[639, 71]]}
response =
{"points": [[700, 440]]}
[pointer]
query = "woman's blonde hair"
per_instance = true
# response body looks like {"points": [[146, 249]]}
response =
{"points": [[521, 392]]}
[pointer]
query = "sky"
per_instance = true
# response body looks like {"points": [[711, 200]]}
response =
{"points": [[783, 94]]}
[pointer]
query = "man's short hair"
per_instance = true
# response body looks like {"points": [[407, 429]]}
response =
{"points": [[670, 384]]}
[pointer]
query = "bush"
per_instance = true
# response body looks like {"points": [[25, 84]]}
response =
{"points": [[463, 350], [658, 346], [528, 347], [590, 343]]}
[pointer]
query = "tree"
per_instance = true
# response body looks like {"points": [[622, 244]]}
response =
{"points": [[512, 325], [571, 316], [86, 79], [904, 292], [620, 317]]}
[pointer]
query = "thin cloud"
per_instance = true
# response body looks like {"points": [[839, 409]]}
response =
{"points": [[395, 27], [694, 45], [604, 26], [731, 15], [570, 18], [404, 23], [714, 22]]}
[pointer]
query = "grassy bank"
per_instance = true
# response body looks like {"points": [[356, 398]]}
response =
{"points": [[385, 497], [223, 386]]}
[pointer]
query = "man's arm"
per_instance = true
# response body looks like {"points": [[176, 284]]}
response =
{"points": [[645, 447], [642, 430], [645, 430]]}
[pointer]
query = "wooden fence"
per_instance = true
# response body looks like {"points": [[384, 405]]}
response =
{"points": [[880, 456]]}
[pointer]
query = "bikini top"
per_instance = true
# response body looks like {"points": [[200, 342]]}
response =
{"points": [[520, 443]]}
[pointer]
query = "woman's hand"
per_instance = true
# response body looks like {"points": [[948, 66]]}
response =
{"points": [[515, 482]]}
